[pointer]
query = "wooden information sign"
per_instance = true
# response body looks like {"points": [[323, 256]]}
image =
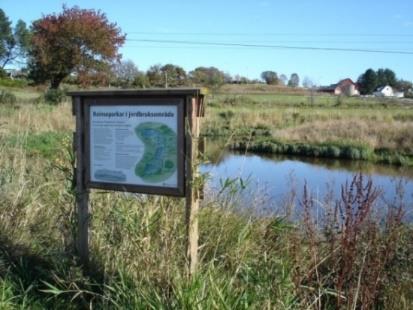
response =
{"points": [[142, 141]]}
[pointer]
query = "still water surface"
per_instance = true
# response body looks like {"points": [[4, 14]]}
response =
{"points": [[265, 182]]}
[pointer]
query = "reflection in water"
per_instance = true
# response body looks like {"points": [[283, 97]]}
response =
{"points": [[269, 182]]}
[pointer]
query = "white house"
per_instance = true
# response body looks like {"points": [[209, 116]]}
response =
{"points": [[388, 91]]}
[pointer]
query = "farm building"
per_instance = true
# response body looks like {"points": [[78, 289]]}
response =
{"points": [[388, 91], [345, 87]]}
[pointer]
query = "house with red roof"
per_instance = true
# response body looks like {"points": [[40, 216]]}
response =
{"points": [[345, 87]]}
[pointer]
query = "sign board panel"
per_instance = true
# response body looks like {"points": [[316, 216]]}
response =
{"points": [[135, 144]]}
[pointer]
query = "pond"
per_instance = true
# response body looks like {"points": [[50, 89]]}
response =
{"points": [[267, 183]]}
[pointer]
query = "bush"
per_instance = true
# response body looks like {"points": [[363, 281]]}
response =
{"points": [[54, 96], [333, 151], [7, 97], [351, 152]]}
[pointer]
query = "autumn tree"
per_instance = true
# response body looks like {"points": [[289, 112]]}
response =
{"points": [[76, 41]]}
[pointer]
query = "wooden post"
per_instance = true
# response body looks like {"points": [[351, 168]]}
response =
{"points": [[82, 194], [192, 197]]}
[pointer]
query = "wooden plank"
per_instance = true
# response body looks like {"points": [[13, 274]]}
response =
{"points": [[82, 195], [192, 197], [195, 92]]}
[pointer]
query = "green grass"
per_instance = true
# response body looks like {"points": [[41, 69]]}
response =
{"points": [[45, 144], [326, 150], [23, 95], [383, 127], [137, 242]]}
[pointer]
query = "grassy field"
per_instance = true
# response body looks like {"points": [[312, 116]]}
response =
{"points": [[137, 242], [307, 124]]}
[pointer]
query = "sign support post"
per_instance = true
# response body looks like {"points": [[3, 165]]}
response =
{"points": [[192, 189], [142, 141], [82, 194]]}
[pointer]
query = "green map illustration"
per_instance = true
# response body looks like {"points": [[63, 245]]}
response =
{"points": [[160, 156]]}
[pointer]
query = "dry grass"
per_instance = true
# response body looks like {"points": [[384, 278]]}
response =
{"points": [[359, 121], [138, 241], [34, 118], [392, 135], [261, 88]]}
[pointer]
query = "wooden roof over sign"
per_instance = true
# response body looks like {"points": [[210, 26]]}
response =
{"points": [[195, 92]]}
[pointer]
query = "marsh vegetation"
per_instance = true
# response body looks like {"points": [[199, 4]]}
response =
{"points": [[349, 258]]}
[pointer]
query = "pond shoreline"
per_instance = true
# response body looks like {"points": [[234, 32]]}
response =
{"points": [[324, 150]]}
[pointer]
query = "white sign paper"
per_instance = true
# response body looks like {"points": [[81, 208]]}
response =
{"points": [[134, 144]]}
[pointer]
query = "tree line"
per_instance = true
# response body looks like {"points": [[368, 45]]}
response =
{"points": [[371, 80], [126, 74], [272, 78], [82, 46]]}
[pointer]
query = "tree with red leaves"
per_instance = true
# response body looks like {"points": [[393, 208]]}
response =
{"points": [[76, 41]]}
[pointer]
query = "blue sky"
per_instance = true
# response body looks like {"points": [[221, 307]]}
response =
{"points": [[351, 24]]}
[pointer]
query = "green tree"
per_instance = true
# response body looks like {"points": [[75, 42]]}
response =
{"points": [[294, 80], [76, 41], [308, 82], [174, 75], [386, 77], [13, 44], [155, 76], [125, 73], [283, 79], [141, 80], [23, 38], [403, 85], [270, 77], [208, 76], [368, 82], [7, 41]]}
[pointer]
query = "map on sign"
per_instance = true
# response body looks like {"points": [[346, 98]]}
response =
{"points": [[158, 162], [134, 144]]}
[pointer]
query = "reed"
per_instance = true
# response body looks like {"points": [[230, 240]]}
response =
{"points": [[350, 259]]}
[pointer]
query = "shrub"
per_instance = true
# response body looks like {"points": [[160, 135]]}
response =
{"points": [[54, 96], [333, 151], [351, 152], [7, 97], [353, 255]]}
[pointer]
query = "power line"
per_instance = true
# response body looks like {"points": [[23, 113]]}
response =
{"points": [[313, 48], [193, 47], [317, 41], [271, 34]]}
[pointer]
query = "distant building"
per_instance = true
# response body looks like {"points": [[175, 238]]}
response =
{"points": [[15, 74], [345, 87], [388, 91]]}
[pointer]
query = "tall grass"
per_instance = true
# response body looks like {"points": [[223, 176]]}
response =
{"points": [[350, 260], [381, 126]]}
